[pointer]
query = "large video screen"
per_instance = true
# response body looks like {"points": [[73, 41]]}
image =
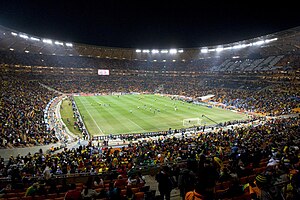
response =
{"points": [[103, 72]]}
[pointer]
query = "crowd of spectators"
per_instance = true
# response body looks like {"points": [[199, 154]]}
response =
{"points": [[22, 118], [271, 146]]}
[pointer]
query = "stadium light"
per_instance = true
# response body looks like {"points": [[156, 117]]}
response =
{"points": [[237, 46], [34, 39], [173, 51], [69, 44], [180, 51], [14, 34], [146, 51], [154, 51], [47, 41], [204, 50], [164, 51], [23, 36], [227, 48], [59, 43], [11, 49], [219, 49], [138, 51], [271, 40], [258, 42], [26, 51]]}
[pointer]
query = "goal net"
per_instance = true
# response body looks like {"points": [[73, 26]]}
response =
{"points": [[192, 122]]}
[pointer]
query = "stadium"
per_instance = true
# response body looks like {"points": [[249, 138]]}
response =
{"points": [[86, 111]]}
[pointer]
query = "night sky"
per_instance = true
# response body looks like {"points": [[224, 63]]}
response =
{"points": [[149, 24]]}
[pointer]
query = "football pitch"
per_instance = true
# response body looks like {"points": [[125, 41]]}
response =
{"points": [[104, 115]]}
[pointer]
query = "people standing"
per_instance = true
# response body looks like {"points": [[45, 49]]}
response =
{"points": [[164, 183]]}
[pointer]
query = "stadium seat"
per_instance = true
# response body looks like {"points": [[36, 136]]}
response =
{"points": [[139, 195], [135, 190]]}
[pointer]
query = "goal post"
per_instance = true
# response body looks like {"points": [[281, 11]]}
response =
{"points": [[191, 122]]}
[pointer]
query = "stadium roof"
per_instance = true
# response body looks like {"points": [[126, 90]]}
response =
{"points": [[283, 42]]}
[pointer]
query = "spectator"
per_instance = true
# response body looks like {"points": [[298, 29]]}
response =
{"points": [[164, 183], [5, 190], [113, 193], [98, 181], [32, 190], [88, 193], [72, 193], [201, 192], [120, 182]]}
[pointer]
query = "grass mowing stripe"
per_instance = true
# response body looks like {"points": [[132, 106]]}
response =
{"points": [[91, 117], [104, 116], [114, 118], [121, 110], [147, 113], [169, 109], [167, 121]]}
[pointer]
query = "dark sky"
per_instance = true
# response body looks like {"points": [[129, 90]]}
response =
{"points": [[149, 24]]}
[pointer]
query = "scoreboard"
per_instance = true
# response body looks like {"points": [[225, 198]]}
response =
{"points": [[103, 72]]}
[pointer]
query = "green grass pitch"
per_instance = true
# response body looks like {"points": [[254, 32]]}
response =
{"points": [[105, 115]]}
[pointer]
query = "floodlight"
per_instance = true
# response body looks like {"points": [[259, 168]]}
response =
{"points": [[138, 51], [58, 43], [14, 34], [258, 42], [146, 51], [204, 50], [173, 51], [164, 51], [47, 41], [23, 36], [237, 46], [154, 51], [34, 39], [270, 40], [219, 49], [69, 44], [227, 48]]}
